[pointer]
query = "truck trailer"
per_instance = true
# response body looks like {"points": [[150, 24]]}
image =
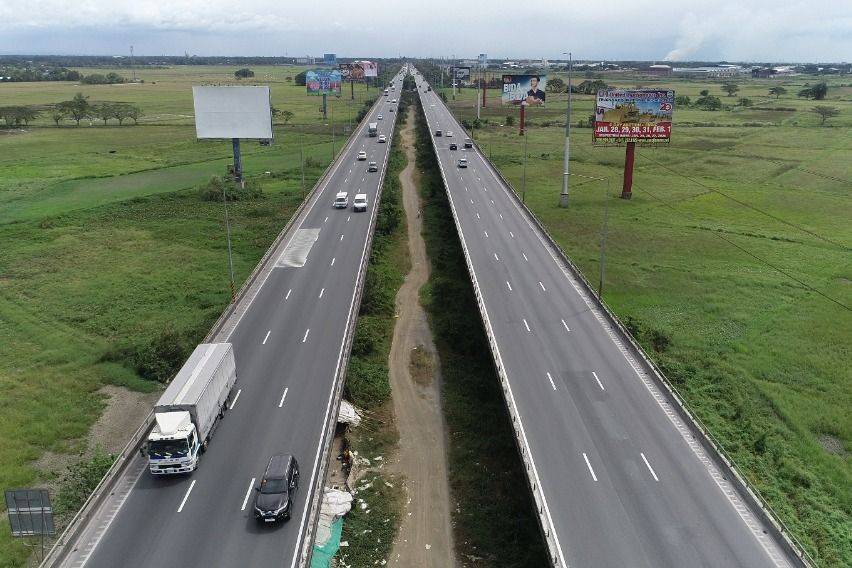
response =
{"points": [[188, 410], [373, 129]]}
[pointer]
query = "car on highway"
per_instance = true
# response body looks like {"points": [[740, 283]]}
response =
{"points": [[454, 146], [450, 133], [438, 133], [362, 155], [273, 500], [383, 139], [393, 100], [468, 143], [341, 200], [360, 202], [379, 117], [462, 162], [372, 167]]}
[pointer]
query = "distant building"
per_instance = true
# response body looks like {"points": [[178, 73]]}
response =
{"points": [[659, 70], [305, 60], [719, 72]]}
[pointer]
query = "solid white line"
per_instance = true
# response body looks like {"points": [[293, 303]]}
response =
{"points": [[288, 294], [525, 257], [511, 234], [332, 261], [283, 396], [651, 469], [509, 285], [600, 384], [551, 381], [526, 325], [306, 335], [497, 258], [565, 325], [542, 286], [322, 292], [233, 402], [267, 336], [248, 493], [585, 457], [185, 497]]}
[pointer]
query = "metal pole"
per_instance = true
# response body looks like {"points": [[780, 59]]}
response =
{"points": [[238, 162], [477, 93], [324, 106], [228, 233], [524, 185], [332, 131], [563, 197], [603, 239], [302, 161]]}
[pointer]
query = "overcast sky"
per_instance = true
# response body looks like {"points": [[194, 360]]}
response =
{"points": [[733, 30]]}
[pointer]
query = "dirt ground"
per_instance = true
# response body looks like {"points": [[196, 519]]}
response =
{"points": [[425, 535]]}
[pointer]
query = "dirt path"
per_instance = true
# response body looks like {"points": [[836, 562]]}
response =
{"points": [[425, 536]]}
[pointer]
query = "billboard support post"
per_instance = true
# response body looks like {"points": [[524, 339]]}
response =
{"points": [[563, 197], [324, 106], [521, 121], [627, 188], [238, 163], [238, 176], [484, 86], [477, 96]]}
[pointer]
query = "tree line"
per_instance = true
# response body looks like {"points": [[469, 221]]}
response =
{"points": [[18, 74], [77, 109]]}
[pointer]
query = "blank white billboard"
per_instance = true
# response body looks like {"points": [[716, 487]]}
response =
{"points": [[232, 112]]}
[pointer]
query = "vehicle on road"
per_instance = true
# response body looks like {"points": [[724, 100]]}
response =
{"points": [[438, 132], [372, 129], [462, 162], [450, 133], [273, 500], [383, 139], [341, 200], [468, 143], [453, 146], [185, 415], [393, 101], [362, 155], [386, 92], [372, 167], [379, 117], [360, 202]]}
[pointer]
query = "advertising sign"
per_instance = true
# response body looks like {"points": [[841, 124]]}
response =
{"points": [[323, 82], [371, 68], [633, 115], [232, 112], [462, 73], [329, 59], [483, 60], [352, 71], [524, 89]]}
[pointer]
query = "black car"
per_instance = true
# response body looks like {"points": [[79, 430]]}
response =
{"points": [[274, 498], [453, 146]]}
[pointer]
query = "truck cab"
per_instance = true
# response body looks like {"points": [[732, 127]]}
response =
{"points": [[173, 445]]}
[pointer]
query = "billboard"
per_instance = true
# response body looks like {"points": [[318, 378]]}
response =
{"points": [[329, 59], [633, 115], [323, 82], [232, 112], [524, 89], [462, 73], [371, 69], [483, 60]]}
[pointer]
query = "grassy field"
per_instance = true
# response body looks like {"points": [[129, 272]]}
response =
{"points": [[106, 247], [731, 264]]}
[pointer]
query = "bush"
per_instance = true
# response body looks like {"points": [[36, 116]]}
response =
{"points": [[162, 358], [367, 383], [218, 187], [80, 480], [510, 120]]}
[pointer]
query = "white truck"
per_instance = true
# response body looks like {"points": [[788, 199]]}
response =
{"points": [[373, 129], [188, 410]]}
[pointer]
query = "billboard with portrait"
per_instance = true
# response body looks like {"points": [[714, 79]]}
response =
{"points": [[371, 68], [524, 89], [633, 115], [462, 73], [323, 82]]}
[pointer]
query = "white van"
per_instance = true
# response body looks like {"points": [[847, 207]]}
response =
{"points": [[341, 201], [360, 202]]}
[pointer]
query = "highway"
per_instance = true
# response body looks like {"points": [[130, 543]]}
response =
{"points": [[288, 344], [623, 482]]}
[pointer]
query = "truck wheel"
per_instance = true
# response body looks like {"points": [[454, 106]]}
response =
{"points": [[203, 446]]}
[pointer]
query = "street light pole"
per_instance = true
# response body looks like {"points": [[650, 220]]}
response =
{"points": [[563, 197], [228, 233]]}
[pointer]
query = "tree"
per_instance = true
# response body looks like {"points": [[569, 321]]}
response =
{"points": [[825, 112], [704, 93], [27, 114], [104, 111], [682, 100], [510, 120], [78, 107], [287, 116], [300, 79], [730, 88], [745, 102], [243, 73], [121, 112], [134, 112], [556, 85], [709, 102], [817, 92], [777, 91], [57, 114]]}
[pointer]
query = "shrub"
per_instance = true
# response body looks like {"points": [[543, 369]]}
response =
{"points": [[218, 187], [80, 480], [161, 359]]}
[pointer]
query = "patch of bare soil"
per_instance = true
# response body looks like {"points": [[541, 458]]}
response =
{"points": [[425, 535]]}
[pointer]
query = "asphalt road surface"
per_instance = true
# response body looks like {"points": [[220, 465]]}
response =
{"points": [[287, 347], [624, 483]]}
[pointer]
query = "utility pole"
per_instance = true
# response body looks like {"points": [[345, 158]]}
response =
{"points": [[131, 64], [563, 197], [228, 233], [332, 131], [302, 160], [481, 71], [524, 184]]}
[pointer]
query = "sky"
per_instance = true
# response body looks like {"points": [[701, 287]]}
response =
{"points": [[688, 30]]}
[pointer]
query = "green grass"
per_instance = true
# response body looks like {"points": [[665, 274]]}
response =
{"points": [[102, 253], [494, 523], [760, 356]]}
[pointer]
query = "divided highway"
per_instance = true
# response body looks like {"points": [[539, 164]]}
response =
{"points": [[288, 344], [622, 481]]}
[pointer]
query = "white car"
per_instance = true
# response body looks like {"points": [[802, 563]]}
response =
{"points": [[379, 117], [462, 162], [360, 202], [382, 139], [341, 200], [450, 133], [362, 156], [393, 100]]}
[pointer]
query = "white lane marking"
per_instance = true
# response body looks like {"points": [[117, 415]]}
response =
{"points": [[486, 189], [477, 216], [267, 336], [306, 335], [501, 216], [542, 286], [288, 294], [651, 469], [349, 217], [283, 396], [248, 493], [549, 378], [497, 258], [471, 201], [565, 325], [589, 465], [525, 257], [185, 497], [600, 384], [322, 292], [526, 325], [325, 220], [345, 180], [233, 402], [509, 285], [511, 234], [350, 169], [332, 261], [465, 188], [486, 234], [492, 201], [341, 237]]}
